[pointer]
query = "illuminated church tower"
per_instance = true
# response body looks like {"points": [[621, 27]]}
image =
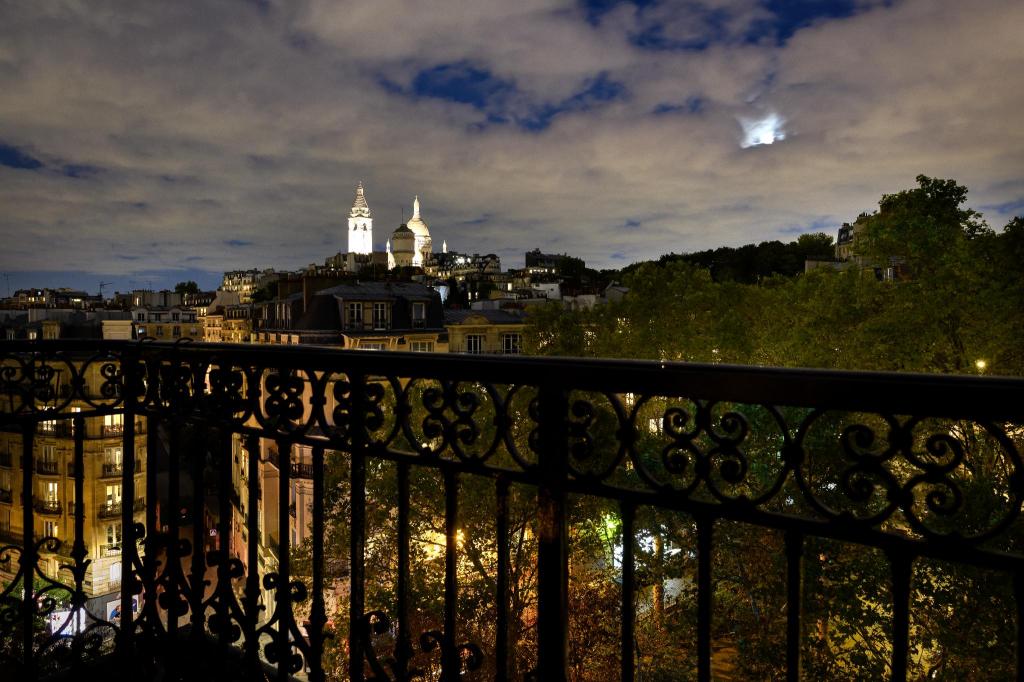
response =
{"points": [[419, 228], [360, 224]]}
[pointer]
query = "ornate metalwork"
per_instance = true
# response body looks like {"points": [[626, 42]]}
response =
{"points": [[881, 460]]}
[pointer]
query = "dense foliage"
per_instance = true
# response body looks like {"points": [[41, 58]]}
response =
{"points": [[955, 306]]}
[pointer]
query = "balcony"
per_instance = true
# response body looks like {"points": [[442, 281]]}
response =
{"points": [[111, 469], [108, 430], [47, 467], [47, 507], [436, 462], [109, 511]]}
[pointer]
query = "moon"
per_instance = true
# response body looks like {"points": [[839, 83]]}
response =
{"points": [[765, 130]]}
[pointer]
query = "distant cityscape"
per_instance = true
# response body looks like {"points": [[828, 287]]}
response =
{"points": [[410, 296]]}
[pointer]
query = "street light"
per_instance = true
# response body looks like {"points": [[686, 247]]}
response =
{"points": [[981, 365]]}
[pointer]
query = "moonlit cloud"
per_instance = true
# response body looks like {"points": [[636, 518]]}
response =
{"points": [[764, 130], [162, 141]]}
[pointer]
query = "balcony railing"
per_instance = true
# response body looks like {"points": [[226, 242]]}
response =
{"points": [[107, 549], [109, 511], [47, 467], [112, 469], [48, 507], [108, 430], [302, 470], [514, 457]]}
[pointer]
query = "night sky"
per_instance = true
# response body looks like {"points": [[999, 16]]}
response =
{"points": [[146, 143]]}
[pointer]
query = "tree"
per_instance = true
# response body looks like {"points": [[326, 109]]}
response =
{"points": [[958, 301], [188, 287]]}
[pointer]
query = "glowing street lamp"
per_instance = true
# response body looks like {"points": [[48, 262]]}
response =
{"points": [[981, 365]]}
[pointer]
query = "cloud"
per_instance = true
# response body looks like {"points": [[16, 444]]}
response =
{"points": [[206, 129], [12, 157]]}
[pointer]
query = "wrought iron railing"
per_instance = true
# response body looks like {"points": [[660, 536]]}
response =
{"points": [[48, 507], [47, 467], [112, 469], [887, 462], [109, 510]]}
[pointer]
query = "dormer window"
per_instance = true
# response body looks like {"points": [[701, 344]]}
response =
{"points": [[380, 316], [355, 315], [419, 313]]}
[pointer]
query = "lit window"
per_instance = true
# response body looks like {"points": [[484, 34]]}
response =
{"points": [[113, 424], [113, 496], [50, 529], [474, 343], [112, 461], [421, 346]]}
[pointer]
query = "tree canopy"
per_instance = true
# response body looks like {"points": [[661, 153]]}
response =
{"points": [[188, 287]]}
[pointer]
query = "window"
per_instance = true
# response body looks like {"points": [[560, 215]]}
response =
{"points": [[115, 571], [141, 317], [380, 316], [113, 495], [51, 491], [474, 343], [175, 317], [159, 330], [113, 533], [419, 314], [112, 461], [49, 453], [142, 331], [510, 343], [176, 331], [50, 529], [371, 345], [421, 346], [48, 426], [355, 315], [113, 424]]}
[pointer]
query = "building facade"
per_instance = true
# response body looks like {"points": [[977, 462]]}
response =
{"points": [[53, 495]]}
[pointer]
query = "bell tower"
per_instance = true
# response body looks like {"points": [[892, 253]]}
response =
{"points": [[360, 224]]}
